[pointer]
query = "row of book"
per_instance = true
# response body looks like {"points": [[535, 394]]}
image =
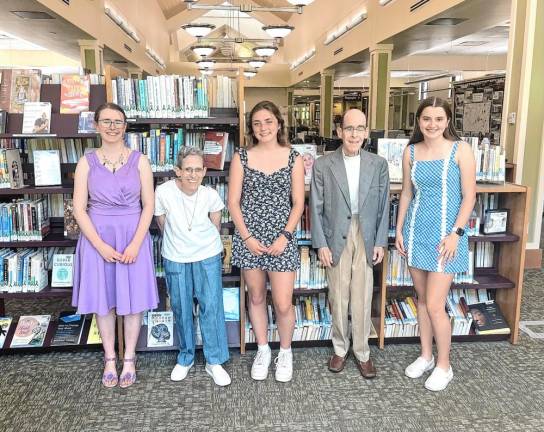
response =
{"points": [[23, 270], [484, 318], [31, 330], [399, 275], [70, 149], [311, 274], [312, 320], [303, 231], [174, 96], [490, 159], [24, 220]]}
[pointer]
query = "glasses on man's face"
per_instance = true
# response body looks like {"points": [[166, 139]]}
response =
{"points": [[359, 129], [108, 123], [190, 171]]}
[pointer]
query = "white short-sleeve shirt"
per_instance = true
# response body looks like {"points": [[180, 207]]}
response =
{"points": [[203, 240]]}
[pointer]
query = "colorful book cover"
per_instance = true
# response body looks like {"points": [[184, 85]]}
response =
{"points": [[63, 270], [71, 228], [15, 168], [5, 323], [86, 123], [37, 118], [30, 331], [160, 329], [69, 329], [226, 239], [94, 333], [391, 149], [215, 148], [17, 87], [488, 319], [74, 94], [309, 155]]}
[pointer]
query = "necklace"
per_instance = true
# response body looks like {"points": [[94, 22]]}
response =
{"points": [[189, 222], [114, 165]]}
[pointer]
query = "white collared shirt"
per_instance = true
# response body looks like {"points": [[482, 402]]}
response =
{"points": [[353, 170]]}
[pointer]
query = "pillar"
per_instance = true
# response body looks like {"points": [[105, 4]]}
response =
{"points": [[92, 57], [326, 103], [380, 65]]}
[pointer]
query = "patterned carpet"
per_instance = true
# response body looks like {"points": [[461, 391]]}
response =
{"points": [[497, 387]]}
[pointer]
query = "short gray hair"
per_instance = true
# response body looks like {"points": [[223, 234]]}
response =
{"points": [[187, 151]]}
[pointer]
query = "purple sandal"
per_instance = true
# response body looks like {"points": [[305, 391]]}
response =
{"points": [[129, 378], [109, 379]]}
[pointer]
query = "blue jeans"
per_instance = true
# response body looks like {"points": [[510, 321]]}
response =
{"points": [[201, 279]]}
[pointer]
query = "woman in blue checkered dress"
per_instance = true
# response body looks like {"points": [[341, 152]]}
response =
{"points": [[438, 195]]}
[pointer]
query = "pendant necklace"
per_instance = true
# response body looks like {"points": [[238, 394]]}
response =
{"points": [[120, 161], [189, 222]]}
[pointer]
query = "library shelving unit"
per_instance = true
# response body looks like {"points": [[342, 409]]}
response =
{"points": [[505, 276]]}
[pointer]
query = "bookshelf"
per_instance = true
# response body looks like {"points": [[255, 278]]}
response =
{"points": [[504, 277]]}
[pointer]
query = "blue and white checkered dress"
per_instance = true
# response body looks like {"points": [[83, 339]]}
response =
{"points": [[432, 214]]}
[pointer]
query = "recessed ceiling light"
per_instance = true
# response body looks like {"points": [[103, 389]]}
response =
{"points": [[446, 21]]}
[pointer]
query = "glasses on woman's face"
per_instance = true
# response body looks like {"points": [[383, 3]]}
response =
{"points": [[190, 171], [359, 129], [108, 123]]}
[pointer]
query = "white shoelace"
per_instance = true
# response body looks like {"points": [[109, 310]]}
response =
{"points": [[260, 358], [282, 360]]}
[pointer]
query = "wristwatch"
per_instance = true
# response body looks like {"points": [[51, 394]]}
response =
{"points": [[459, 231], [287, 235]]}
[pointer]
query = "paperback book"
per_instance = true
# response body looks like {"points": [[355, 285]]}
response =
{"points": [[215, 149], [391, 149], [488, 318], [69, 329], [18, 87], [74, 94], [37, 118], [94, 334], [46, 167], [71, 228], [160, 329], [63, 269], [309, 155], [30, 331], [5, 323], [86, 123]]}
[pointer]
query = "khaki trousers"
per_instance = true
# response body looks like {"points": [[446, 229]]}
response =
{"points": [[351, 280]]}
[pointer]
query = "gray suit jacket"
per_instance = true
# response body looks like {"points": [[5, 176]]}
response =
{"points": [[330, 203]]}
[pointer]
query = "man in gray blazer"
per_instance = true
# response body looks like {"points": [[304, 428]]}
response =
{"points": [[349, 218]]}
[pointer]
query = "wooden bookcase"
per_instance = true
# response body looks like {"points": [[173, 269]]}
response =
{"points": [[506, 275]]}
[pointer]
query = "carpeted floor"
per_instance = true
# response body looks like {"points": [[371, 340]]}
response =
{"points": [[497, 387]]}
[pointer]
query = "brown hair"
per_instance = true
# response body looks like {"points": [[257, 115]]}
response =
{"points": [[269, 106], [449, 133], [108, 105]]}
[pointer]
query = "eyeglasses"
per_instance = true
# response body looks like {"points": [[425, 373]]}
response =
{"points": [[197, 171], [107, 123], [351, 129]]}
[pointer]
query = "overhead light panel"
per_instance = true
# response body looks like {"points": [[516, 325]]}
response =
{"points": [[256, 63], [384, 2], [203, 50], [355, 21], [265, 51], [303, 59], [205, 64], [248, 8], [198, 30], [121, 21], [154, 56], [278, 31]]}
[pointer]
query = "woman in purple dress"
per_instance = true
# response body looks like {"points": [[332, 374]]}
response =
{"points": [[114, 271]]}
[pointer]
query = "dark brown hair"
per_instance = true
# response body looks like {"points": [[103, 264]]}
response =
{"points": [[449, 133], [108, 105], [269, 106]]}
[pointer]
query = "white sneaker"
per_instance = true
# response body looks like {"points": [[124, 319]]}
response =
{"points": [[439, 379], [219, 375], [419, 367], [180, 372], [284, 366], [259, 370]]}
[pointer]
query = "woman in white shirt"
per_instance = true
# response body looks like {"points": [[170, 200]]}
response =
{"points": [[189, 216]]}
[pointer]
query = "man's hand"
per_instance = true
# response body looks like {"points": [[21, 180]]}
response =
{"points": [[325, 256], [377, 256]]}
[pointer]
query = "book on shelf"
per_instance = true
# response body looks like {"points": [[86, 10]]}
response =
{"points": [[46, 168], [22, 270], [14, 167], [391, 149], [231, 303], [226, 239], [69, 329], [63, 270], [488, 318], [93, 337], [3, 121], [30, 331], [5, 324], [215, 149], [36, 118], [86, 124], [74, 94], [309, 155], [18, 87], [71, 228], [160, 329]]}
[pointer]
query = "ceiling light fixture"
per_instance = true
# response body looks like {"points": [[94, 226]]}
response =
{"points": [[250, 73], [203, 50], [248, 8], [265, 51], [256, 63], [278, 31], [198, 30], [206, 71], [303, 59], [154, 56], [205, 64], [384, 2], [121, 21], [357, 19]]}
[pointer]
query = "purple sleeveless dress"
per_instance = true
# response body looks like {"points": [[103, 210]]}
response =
{"points": [[114, 208]]}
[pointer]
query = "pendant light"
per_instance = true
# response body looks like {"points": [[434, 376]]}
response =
{"points": [[205, 64], [278, 31], [198, 30], [256, 63], [300, 2], [265, 51], [203, 50]]}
